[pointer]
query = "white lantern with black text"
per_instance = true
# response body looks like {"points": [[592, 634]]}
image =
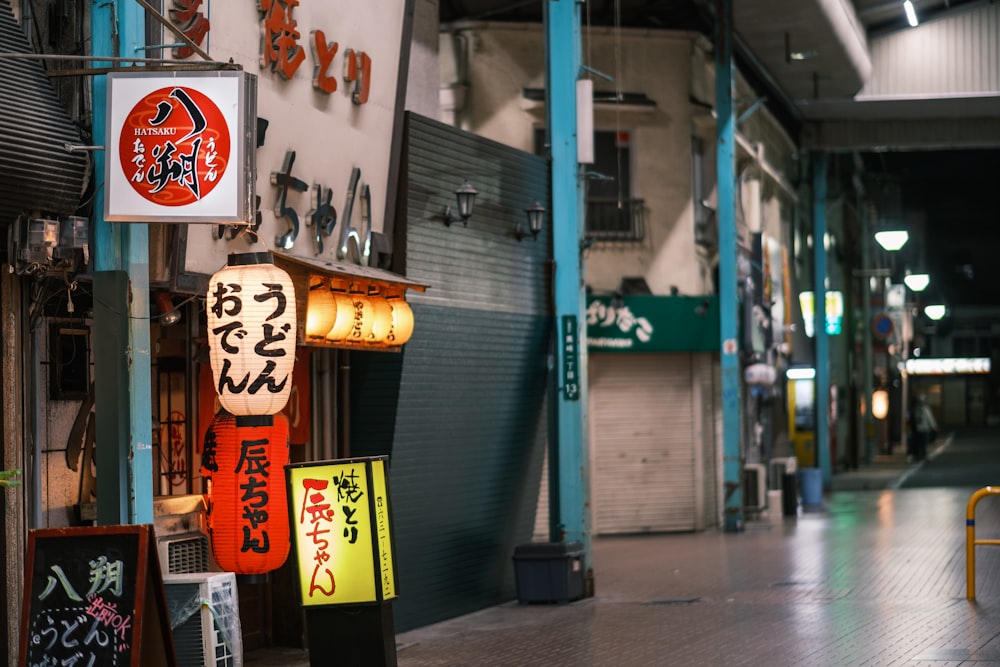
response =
{"points": [[251, 334]]}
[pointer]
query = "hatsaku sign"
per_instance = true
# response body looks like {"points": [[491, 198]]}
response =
{"points": [[178, 147]]}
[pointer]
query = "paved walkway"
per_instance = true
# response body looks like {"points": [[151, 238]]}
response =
{"points": [[876, 577]]}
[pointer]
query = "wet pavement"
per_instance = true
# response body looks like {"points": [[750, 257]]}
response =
{"points": [[875, 576]]}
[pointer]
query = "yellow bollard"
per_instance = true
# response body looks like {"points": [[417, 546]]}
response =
{"points": [[970, 538]]}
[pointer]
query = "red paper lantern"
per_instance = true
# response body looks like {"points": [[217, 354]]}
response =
{"points": [[245, 459]]}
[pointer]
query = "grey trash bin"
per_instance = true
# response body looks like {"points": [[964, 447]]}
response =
{"points": [[548, 572]]}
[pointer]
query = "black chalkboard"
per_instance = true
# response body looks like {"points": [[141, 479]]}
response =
{"points": [[93, 596]]}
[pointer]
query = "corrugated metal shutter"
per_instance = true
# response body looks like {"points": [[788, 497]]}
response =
{"points": [[647, 474], [36, 171], [470, 427]]}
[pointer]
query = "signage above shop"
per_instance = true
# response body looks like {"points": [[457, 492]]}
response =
{"points": [[329, 105], [834, 312], [180, 147], [643, 323], [972, 366]]}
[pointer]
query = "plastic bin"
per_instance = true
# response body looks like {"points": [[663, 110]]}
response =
{"points": [[548, 572], [811, 480]]}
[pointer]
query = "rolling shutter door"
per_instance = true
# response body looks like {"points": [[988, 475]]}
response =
{"points": [[647, 472]]}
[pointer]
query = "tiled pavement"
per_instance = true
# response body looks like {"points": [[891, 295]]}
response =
{"points": [[876, 577]]}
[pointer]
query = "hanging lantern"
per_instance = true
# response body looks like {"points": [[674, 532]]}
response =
{"points": [[402, 322], [362, 321], [321, 313], [251, 329], [344, 320], [245, 459], [381, 320]]}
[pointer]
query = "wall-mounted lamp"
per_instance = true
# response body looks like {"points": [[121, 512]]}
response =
{"points": [[536, 217], [169, 315], [465, 195]]}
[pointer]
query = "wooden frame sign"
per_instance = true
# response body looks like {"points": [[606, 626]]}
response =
{"points": [[94, 596]]}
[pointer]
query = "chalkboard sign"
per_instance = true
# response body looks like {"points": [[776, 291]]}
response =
{"points": [[93, 596]]}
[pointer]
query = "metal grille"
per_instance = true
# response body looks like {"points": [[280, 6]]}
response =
{"points": [[614, 220], [187, 555]]}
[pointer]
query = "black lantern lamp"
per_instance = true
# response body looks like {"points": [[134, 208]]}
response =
{"points": [[536, 217], [465, 195]]}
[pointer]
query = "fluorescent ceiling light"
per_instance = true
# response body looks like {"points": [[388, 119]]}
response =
{"points": [[917, 282], [935, 311], [800, 373], [911, 15], [892, 240]]}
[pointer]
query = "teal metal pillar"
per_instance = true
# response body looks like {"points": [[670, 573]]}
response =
{"points": [[819, 322], [569, 469], [122, 380], [728, 303]]}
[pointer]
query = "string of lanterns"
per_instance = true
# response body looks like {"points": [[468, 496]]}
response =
{"points": [[341, 312]]}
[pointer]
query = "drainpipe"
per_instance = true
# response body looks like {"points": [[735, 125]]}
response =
{"points": [[569, 467], [728, 305], [121, 314]]}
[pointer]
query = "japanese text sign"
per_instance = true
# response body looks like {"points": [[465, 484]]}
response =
{"points": [[341, 531], [646, 323], [180, 147], [94, 596]]}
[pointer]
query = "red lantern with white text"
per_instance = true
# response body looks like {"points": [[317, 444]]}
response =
{"points": [[251, 330], [245, 458]]}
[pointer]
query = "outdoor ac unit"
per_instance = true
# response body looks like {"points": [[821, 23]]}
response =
{"points": [[780, 467], [754, 486], [181, 543], [205, 618]]}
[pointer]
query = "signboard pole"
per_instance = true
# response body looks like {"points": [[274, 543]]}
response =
{"points": [[124, 422]]}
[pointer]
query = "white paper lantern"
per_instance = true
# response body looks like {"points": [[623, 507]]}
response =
{"points": [[322, 311], [402, 322], [363, 319], [344, 320], [251, 334], [381, 319]]}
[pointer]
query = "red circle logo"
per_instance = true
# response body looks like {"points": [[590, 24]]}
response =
{"points": [[174, 147]]}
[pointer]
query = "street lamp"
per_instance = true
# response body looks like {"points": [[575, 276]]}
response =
{"points": [[935, 311], [917, 282], [892, 239]]}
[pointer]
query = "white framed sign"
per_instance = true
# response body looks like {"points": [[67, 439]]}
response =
{"points": [[180, 147]]}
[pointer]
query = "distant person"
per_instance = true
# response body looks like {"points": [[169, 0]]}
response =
{"points": [[924, 428]]}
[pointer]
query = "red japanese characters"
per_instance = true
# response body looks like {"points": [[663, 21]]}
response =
{"points": [[244, 458]]}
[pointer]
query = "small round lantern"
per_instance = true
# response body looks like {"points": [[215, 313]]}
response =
{"points": [[402, 322], [363, 319], [251, 333], [344, 320], [245, 459], [321, 311], [381, 320]]}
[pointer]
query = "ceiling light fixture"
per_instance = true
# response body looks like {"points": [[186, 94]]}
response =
{"points": [[892, 240], [911, 14]]}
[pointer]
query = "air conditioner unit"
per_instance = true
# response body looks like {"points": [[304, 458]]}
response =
{"points": [[205, 618], [780, 467], [754, 486], [181, 542]]}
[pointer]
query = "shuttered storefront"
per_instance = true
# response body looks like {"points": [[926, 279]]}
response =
{"points": [[653, 453], [467, 392]]}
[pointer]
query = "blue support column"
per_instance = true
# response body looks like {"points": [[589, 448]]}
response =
{"points": [[728, 304], [123, 409], [570, 467], [822, 340]]}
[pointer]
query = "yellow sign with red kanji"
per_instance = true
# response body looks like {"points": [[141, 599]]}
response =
{"points": [[342, 531]]}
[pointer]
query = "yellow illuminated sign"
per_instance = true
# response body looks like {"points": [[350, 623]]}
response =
{"points": [[341, 531]]}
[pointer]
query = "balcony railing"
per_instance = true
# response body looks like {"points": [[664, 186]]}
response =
{"points": [[611, 219]]}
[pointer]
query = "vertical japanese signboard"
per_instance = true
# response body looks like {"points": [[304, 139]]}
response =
{"points": [[342, 532], [180, 147], [571, 358], [94, 596]]}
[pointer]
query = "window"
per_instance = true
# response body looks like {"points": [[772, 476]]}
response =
{"points": [[612, 213]]}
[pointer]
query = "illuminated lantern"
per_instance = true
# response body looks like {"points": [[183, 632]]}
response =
{"points": [[402, 322], [381, 320], [245, 458], [251, 334], [363, 319], [344, 320], [321, 312]]}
